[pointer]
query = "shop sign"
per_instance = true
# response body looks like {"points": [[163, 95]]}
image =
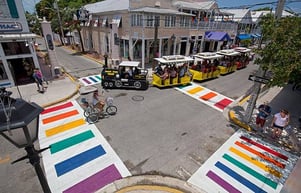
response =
{"points": [[10, 26]]}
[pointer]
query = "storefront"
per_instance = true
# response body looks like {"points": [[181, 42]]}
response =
{"points": [[17, 46]]}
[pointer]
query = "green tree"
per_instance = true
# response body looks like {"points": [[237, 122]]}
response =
{"points": [[281, 49], [33, 23]]}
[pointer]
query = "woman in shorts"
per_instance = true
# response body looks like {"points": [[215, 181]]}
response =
{"points": [[280, 121]]}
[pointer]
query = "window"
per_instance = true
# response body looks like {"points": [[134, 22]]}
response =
{"points": [[15, 48], [170, 21], [184, 22], [3, 75], [150, 20], [136, 20]]}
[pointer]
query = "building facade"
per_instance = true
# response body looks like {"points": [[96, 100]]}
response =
{"points": [[17, 51], [143, 29]]}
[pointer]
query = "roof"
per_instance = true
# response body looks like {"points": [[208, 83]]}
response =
{"points": [[205, 5], [160, 10], [240, 15], [129, 63], [242, 49], [108, 5], [229, 52], [207, 55], [174, 59]]}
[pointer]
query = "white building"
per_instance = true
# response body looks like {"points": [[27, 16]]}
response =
{"points": [[17, 52]]}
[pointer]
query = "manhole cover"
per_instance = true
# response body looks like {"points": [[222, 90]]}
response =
{"points": [[138, 98]]}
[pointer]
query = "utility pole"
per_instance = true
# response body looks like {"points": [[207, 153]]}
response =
{"points": [[261, 72], [56, 6], [156, 25]]}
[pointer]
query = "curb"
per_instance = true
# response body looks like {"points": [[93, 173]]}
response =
{"points": [[150, 183], [67, 97]]}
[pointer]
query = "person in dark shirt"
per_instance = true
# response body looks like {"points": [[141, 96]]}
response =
{"points": [[264, 110]]}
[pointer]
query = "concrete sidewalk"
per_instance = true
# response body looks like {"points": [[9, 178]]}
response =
{"points": [[279, 98]]}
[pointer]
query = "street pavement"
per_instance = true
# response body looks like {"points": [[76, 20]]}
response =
{"points": [[64, 90]]}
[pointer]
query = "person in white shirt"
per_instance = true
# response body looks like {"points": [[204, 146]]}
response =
{"points": [[280, 121]]}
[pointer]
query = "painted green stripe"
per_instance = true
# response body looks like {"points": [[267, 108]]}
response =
{"points": [[13, 9], [250, 171], [98, 77], [66, 143]]}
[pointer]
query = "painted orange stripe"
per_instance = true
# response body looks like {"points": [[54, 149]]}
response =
{"points": [[256, 162], [195, 90], [65, 127], [265, 157], [60, 116], [208, 96]]}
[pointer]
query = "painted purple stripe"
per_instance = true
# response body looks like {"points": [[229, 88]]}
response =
{"points": [[86, 81], [96, 181], [222, 182]]}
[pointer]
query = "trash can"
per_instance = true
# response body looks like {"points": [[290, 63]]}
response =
{"points": [[86, 94], [57, 71]]}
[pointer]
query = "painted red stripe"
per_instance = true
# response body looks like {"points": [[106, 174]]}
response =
{"points": [[264, 148], [56, 108], [223, 103]]}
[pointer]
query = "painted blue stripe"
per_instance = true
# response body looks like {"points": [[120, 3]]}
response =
{"points": [[238, 177], [78, 160], [93, 79]]}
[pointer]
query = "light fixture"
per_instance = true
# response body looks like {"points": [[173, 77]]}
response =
{"points": [[19, 123]]}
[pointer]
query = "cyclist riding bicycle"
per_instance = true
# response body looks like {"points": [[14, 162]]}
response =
{"points": [[96, 102]]}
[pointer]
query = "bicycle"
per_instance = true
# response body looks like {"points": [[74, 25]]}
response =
{"points": [[93, 113]]}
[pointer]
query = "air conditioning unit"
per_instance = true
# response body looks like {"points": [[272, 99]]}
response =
{"points": [[158, 4]]}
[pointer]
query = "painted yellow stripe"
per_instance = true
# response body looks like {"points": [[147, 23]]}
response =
{"points": [[195, 90], [244, 100], [5, 159], [148, 188], [255, 162], [65, 127]]}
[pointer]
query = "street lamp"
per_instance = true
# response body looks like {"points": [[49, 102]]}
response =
{"points": [[19, 123]]}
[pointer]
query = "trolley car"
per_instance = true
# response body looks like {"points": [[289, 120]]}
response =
{"points": [[205, 66], [228, 61], [245, 57], [128, 75], [172, 70]]}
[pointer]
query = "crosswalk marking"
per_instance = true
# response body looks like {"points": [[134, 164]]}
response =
{"points": [[206, 96], [90, 80], [79, 158], [245, 163]]}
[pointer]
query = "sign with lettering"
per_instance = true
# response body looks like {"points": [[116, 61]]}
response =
{"points": [[10, 26]]}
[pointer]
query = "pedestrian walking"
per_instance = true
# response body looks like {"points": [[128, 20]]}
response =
{"points": [[38, 77], [280, 121], [264, 110]]}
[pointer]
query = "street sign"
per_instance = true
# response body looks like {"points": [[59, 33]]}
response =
{"points": [[258, 79]]}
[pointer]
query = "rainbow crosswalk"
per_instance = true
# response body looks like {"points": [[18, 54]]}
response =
{"points": [[245, 164], [206, 96], [90, 80], [79, 159]]}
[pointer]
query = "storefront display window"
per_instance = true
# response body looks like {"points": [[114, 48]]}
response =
{"points": [[15, 48], [3, 75]]}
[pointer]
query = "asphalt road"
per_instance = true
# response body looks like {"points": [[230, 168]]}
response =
{"points": [[155, 131]]}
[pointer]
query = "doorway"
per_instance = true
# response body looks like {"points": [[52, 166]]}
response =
{"points": [[21, 69]]}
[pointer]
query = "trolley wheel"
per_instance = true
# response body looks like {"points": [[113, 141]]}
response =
{"points": [[92, 118], [137, 85], [118, 83], [111, 84], [106, 84], [111, 110]]}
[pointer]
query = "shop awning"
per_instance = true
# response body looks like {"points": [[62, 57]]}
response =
{"points": [[244, 36], [17, 36], [217, 36], [255, 35]]}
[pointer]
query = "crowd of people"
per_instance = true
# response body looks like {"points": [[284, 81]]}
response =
{"points": [[172, 71]]}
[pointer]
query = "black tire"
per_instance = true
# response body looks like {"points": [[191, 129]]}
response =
{"points": [[92, 118], [90, 110], [106, 84], [111, 85], [118, 83], [111, 110], [137, 85]]}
